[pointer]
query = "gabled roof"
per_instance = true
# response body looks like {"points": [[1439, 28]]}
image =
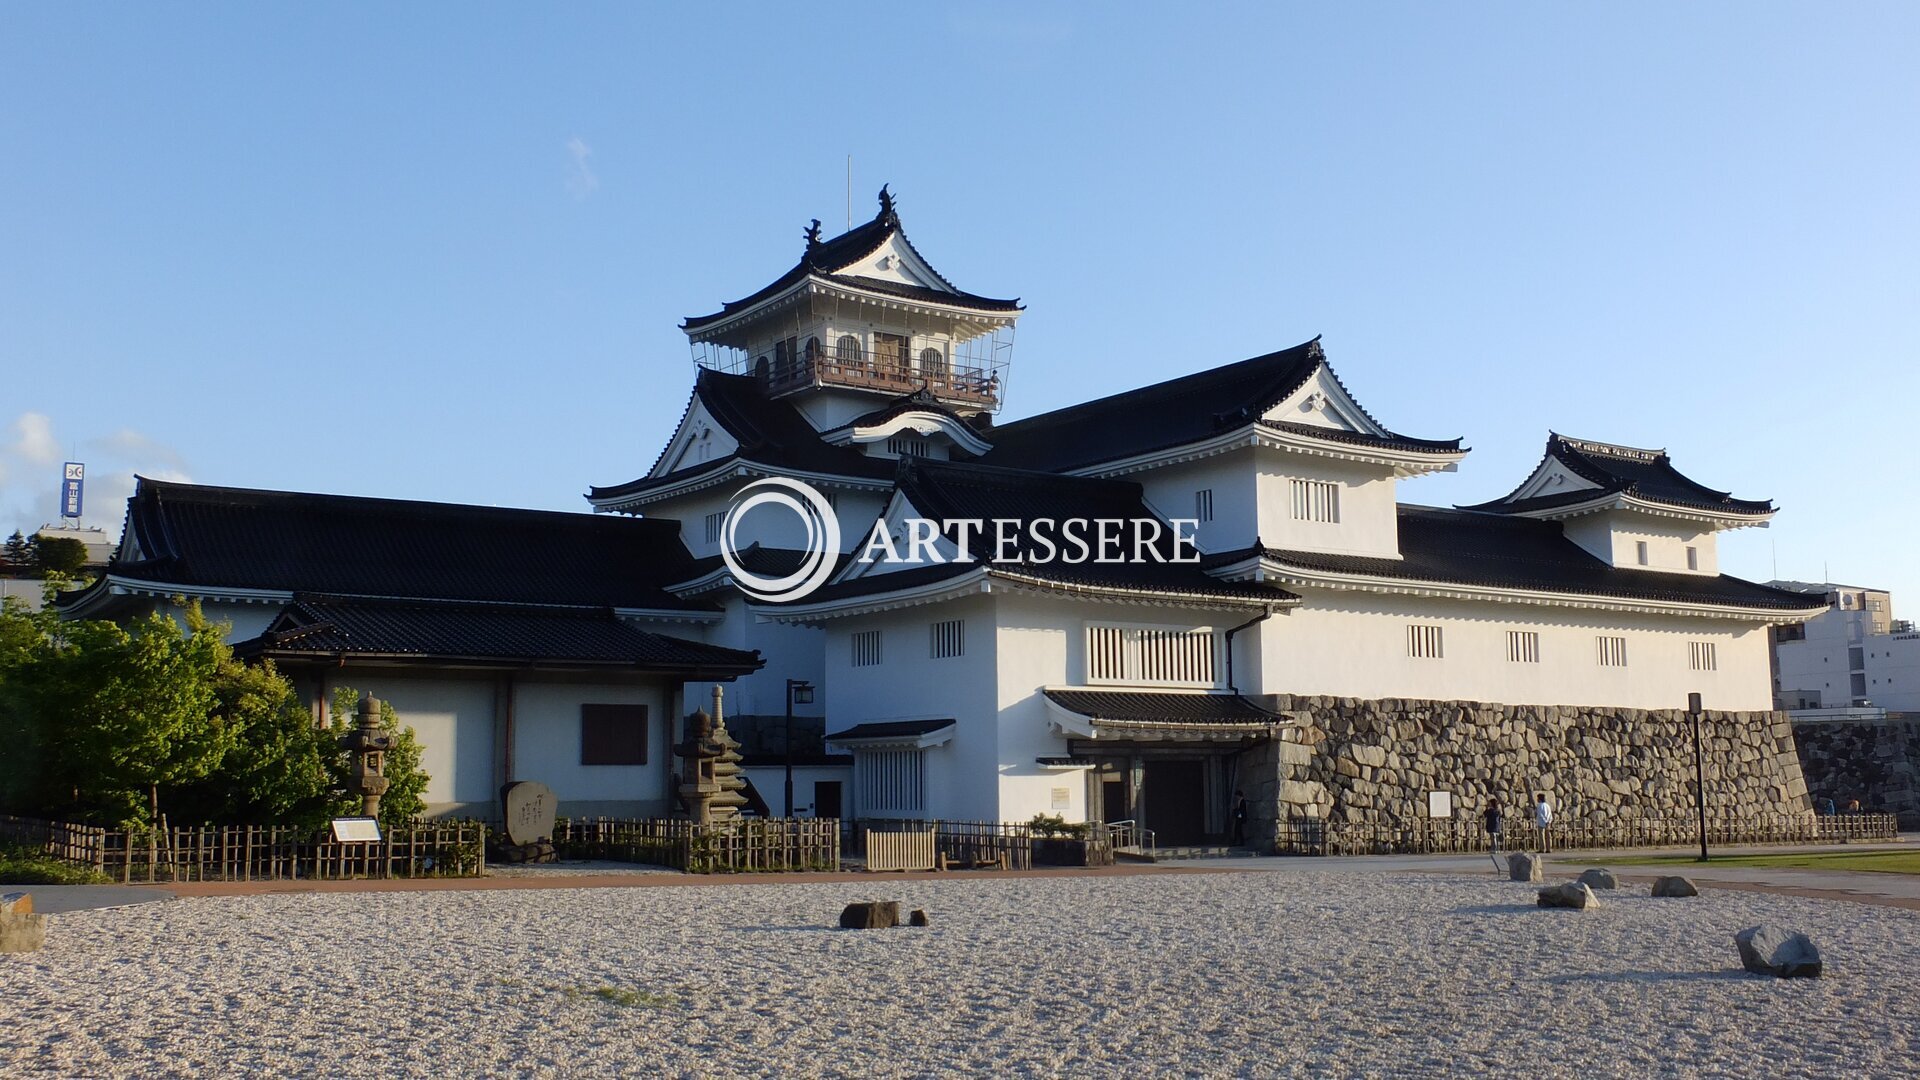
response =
{"points": [[770, 431], [825, 259], [1465, 548], [920, 401], [323, 627], [1178, 412], [199, 537], [951, 490], [1615, 470]]}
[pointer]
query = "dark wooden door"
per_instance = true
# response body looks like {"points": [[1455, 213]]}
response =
{"points": [[1113, 800], [826, 798], [1175, 798]]}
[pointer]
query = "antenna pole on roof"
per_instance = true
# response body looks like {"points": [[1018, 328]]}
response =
{"points": [[849, 192]]}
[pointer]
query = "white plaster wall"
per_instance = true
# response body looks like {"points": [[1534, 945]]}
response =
{"points": [[1355, 645], [770, 526], [908, 685], [1170, 494], [1369, 516], [771, 782], [791, 652], [546, 746], [452, 717], [1614, 536], [1893, 671]]}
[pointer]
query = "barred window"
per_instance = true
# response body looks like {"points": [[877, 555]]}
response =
{"points": [[1316, 500], [1203, 504], [847, 350], [1612, 651], [1425, 642], [866, 648], [1701, 656], [909, 446], [948, 639], [1175, 655], [1523, 647], [891, 783], [716, 522]]}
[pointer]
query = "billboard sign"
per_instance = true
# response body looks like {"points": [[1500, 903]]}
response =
{"points": [[71, 489]]}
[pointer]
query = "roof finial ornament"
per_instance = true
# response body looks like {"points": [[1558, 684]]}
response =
{"points": [[1315, 350], [886, 202], [813, 234]]}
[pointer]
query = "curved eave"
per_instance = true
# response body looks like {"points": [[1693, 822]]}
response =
{"points": [[641, 493], [1403, 461], [1717, 520], [920, 421], [721, 325], [696, 670], [983, 581], [1269, 569], [110, 587]]}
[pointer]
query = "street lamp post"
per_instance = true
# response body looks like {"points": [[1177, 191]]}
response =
{"points": [[1699, 774], [799, 692]]}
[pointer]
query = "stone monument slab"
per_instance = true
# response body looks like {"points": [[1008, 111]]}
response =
{"points": [[529, 808]]}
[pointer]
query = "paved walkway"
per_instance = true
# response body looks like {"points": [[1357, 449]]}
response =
{"points": [[1891, 890]]}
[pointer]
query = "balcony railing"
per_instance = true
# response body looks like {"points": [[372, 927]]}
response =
{"points": [[960, 383]]}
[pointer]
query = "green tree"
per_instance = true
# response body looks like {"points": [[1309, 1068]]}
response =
{"points": [[60, 554], [280, 770], [16, 558], [406, 783]]}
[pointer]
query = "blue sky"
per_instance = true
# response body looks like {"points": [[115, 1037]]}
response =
{"points": [[441, 253]]}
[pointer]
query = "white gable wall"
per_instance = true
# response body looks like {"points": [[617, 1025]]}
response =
{"points": [[699, 439], [1230, 477], [1613, 536], [1369, 515]]}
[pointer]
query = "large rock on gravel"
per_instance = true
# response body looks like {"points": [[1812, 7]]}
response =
{"points": [[16, 903], [1771, 950], [918, 918], [22, 932], [1524, 867], [1573, 895], [871, 915], [1674, 886], [1599, 878]]}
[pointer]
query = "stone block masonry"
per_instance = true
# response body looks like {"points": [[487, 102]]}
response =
{"points": [[1355, 761], [1875, 762]]}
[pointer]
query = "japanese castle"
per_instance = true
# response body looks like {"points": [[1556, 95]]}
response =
{"points": [[981, 690]]}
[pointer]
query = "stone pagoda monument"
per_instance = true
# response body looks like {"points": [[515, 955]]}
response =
{"points": [[713, 788]]}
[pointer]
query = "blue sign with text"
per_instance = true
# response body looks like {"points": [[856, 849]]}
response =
{"points": [[71, 489]]}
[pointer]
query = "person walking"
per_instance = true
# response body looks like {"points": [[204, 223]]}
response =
{"points": [[1543, 820], [1239, 818], [1492, 817]]}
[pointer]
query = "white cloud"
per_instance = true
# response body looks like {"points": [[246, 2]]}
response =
{"points": [[30, 475], [35, 443], [581, 180]]}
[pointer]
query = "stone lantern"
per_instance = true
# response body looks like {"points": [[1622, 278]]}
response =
{"points": [[369, 745]]}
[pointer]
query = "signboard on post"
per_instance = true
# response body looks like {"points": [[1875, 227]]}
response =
{"points": [[71, 489], [1439, 804], [356, 830]]}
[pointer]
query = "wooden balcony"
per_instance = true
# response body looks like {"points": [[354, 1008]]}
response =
{"points": [[954, 384]]}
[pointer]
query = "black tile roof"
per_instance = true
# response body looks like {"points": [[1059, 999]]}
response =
{"points": [[770, 431], [1160, 707], [1625, 470], [322, 627], [826, 258], [220, 537], [1177, 412], [891, 729], [1463, 547], [952, 490]]}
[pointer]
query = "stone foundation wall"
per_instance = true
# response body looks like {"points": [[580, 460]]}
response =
{"points": [[1374, 761], [1876, 763]]}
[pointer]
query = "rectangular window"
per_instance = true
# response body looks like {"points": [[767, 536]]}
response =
{"points": [[1523, 647], [1169, 655], [715, 523], [891, 783], [909, 446], [1424, 642], [613, 734], [1640, 548], [1203, 504], [949, 639], [1693, 558], [1316, 500], [1701, 656], [1612, 651], [866, 648]]}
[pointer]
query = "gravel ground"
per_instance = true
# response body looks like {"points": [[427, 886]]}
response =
{"points": [[1263, 974]]}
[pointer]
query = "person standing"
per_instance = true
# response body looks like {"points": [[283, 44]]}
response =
{"points": [[1239, 818], [1543, 820], [1492, 817]]}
